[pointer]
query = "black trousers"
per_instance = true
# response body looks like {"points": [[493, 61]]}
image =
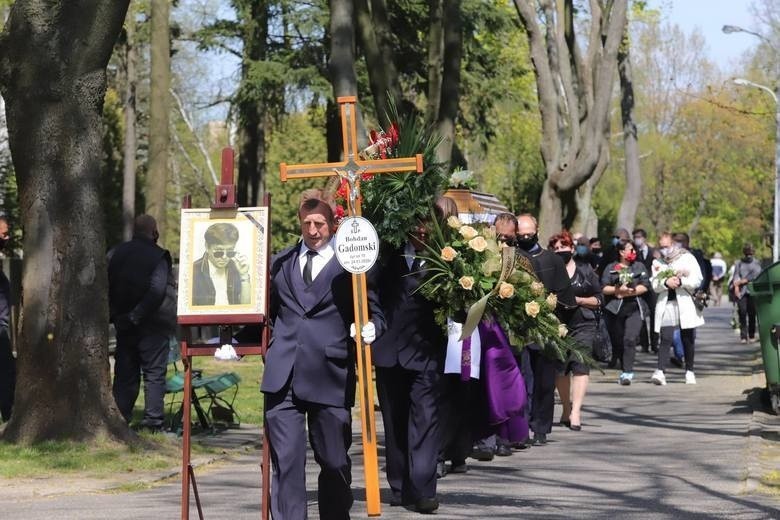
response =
{"points": [[687, 336], [543, 397], [746, 308], [7, 376], [147, 354], [459, 401], [624, 333], [410, 411], [330, 436]]}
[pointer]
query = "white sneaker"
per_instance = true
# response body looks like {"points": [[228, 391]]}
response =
{"points": [[658, 378], [690, 378]]}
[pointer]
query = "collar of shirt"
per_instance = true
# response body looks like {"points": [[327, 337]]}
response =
{"points": [[409, 254], [319, 261], [219, 280]]}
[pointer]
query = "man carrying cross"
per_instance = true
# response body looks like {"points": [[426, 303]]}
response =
{"points": [[309, 375]]}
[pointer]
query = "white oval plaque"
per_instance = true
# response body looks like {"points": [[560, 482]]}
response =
{"points": [[357, 245]]}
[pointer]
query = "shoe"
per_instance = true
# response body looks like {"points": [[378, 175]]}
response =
{"points": [[459, 466], [612, 363], [396, 500], [658, 378], [690, 377], [540, 439], [752, 340], [676, 362], [441, 469], [625, 378], [482, 455], [566, 423], [502, 450], [524, 445], [575, 427], [743, 341], [426, 505]]}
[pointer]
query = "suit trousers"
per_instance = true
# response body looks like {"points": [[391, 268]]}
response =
{"points": [[459, 402], [136, 354], [543, 397], [410, 411], [330, 436]]}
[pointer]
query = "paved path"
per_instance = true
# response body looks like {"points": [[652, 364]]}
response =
{"points": [[678, 451]]}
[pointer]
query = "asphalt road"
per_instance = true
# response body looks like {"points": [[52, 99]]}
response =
{"points": [[649, 452]]}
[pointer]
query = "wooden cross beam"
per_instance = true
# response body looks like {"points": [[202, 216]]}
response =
{"points": [[351, 169]]}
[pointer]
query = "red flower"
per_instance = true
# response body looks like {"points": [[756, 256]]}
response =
{"points": [[339, 212], [343, 190]]}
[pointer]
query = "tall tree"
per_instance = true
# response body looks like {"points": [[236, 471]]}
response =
{"points": [[575, 90], [159, 117], [450, 79], [53, 58], [131, 140], [632, 195]]}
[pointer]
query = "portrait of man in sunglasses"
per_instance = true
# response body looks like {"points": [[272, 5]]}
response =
{"points": [[221, 275]]}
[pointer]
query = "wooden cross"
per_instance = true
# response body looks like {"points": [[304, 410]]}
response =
{"points": [[351, 169]]}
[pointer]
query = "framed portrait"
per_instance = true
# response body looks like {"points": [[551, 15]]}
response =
{"points": [[223, 262]]}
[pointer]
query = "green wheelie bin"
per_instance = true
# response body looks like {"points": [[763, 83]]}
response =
{"points": [[766, 291]]}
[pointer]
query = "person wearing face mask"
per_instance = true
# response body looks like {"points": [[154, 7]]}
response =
{"points": [[618, 239], [7, 361], [746, 270], [623, 283], [645, 254], [142, 307], [596, 252], [572, 378], [676, 275]]}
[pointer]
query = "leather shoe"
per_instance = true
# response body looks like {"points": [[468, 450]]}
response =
{"points": [[426, 505], [575, 427], [483, 455], [502, 450], [540, 439], [566, 423], [459, 466]]}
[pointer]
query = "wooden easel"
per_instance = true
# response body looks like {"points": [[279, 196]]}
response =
{"points": [[224, 198]]}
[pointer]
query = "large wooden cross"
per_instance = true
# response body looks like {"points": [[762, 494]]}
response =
{"points": [[351, 169]]}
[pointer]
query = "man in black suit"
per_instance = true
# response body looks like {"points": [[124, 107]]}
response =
{"points": [[645, 254], [409, 365], [309, 375]]}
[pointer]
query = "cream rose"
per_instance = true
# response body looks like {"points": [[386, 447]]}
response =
{"points": [[467, 232], [467, 282], [562, 330], [532, 308], [552, 301], [454, 222], [448, 254], [478, 244], [537, 288], [506, 290]]}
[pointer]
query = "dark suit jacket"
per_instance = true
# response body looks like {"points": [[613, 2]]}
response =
{"points": [[413, 340], [311, 331], [203, 292]]}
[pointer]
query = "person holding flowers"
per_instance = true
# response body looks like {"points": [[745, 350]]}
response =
{"points": [[623, 282], [572, 379], [676, 275], [409, 364]]}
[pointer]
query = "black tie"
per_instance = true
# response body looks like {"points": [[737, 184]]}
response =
{"points": [[415, 266], [307, 268]]}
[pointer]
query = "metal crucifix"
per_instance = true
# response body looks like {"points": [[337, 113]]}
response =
{"points": [[352, 169]]}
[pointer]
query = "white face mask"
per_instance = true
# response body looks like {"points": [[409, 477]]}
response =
{"points": [[639, 242]]}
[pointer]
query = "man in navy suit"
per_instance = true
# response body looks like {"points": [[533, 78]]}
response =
{"points": [[409, 365], [309, 375]]}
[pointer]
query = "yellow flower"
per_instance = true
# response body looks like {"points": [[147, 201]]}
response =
{"points": [[467, 282], [448, 254], [506, 290], [537, 288], [491, 265], [532, 308], [468, 232], [552, 301], [562, 330], [454, 222], [478, 244], [524, 277], [489, 233]]}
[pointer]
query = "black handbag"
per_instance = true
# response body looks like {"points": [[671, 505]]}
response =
{"points": [[602, 344]]}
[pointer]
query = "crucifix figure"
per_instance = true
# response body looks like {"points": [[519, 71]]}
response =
{"points": [[351, 169]]}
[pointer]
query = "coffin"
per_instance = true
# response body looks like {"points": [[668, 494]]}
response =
{"points": [[476, 206]]}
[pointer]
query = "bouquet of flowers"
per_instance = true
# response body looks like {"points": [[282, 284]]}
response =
{"points": [[463, 179], [624, 274], [469, 272]]}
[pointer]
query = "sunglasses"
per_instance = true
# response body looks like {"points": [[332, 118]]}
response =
{"points": [[220, 254]]}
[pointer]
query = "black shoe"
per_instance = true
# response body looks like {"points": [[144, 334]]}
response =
{"points": [[459, 466], [676, 362], [540, 439], [521, 445], [426, 505], [502, 450], [575, 427], [612, 363], [441, 469], [483, 455], [396, 500], [566, 423]]}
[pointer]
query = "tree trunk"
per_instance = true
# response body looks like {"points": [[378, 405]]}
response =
{"points": [[159, 118], [131, 142], [251, 113], [435, 61], [341, 64], [53, 60], [450, 91], [632, 196]]}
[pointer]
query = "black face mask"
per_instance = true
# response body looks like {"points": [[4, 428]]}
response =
{"points": [[3, 243], [564, 255], [596, 251], [526, 242]]}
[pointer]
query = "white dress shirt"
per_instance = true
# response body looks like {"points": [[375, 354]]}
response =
{"points": [[318, 261]]}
